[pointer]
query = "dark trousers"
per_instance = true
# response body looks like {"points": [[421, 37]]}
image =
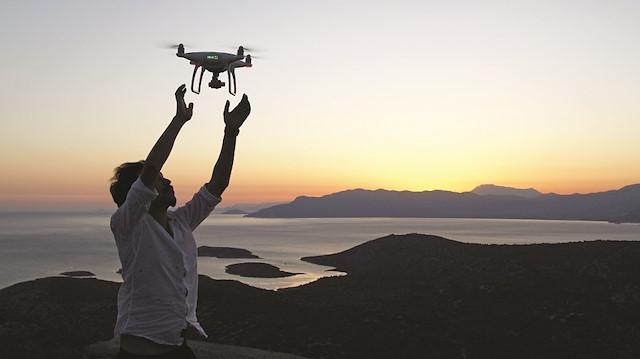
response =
{"points": [[182, 352]]}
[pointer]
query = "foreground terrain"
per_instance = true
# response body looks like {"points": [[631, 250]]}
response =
{"points": [[409, 296]]}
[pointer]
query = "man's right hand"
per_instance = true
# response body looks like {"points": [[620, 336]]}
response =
{"points": [[183, 113]]}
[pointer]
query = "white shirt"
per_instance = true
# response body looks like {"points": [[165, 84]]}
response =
{"points": [[158, 297]]}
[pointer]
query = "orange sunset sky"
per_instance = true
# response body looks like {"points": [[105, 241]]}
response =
{"points": [[404, 95]]}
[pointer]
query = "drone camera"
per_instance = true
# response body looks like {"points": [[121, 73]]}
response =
{"points": [[216, 84]]}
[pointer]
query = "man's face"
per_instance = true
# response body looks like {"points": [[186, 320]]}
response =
{"points": [[166, 196]]}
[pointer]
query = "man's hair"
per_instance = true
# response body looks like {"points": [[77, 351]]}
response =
{"points": [[123, 178]]}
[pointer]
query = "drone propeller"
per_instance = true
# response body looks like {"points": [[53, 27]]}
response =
{"points": [[251, 49], [245, 48], [172, 45], [248, 48]]}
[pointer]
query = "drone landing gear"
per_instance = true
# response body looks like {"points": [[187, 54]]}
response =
{"points": [[215, 82]]}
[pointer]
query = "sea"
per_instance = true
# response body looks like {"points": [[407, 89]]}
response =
{"points": [[42, 244]]}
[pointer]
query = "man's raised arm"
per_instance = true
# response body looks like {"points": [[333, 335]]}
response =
{"points": [[222, 170], [161, 150]]}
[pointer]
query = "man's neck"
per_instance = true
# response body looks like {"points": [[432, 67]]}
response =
{"points": [[160, 215]]}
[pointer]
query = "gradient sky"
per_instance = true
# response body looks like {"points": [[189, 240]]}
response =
{"points": [[402, 95]]}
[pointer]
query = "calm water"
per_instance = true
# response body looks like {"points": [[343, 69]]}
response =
{"points": [[35, 245]]}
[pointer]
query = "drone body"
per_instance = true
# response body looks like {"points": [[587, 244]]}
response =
{"points": [[216, 63]]}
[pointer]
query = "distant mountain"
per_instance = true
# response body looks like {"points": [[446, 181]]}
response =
{"points": [[234, 211], [493, 190], [631, 217], [244, 208], [601, 206]]}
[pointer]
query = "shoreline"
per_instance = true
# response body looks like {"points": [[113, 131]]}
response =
{"points": [[110, 273], [404, 295]]}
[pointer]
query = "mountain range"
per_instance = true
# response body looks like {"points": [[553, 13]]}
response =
{"points": [[485, 201], [244, 208]]}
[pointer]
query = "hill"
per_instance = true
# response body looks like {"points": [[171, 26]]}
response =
{"points": [[409, 296], [602, 206], [493, 190]]}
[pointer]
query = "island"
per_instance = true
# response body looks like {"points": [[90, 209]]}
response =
{"points": [[257, 270], [79, 273], [224, 252]]}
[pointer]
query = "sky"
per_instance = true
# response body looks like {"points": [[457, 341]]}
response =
{"points": [[402, 95]]}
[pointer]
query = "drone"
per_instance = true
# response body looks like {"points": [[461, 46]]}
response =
{"points": [[216, 63]]}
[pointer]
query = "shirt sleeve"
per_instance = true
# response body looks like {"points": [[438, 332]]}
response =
{"points": [[137, 203], [198, 208]]}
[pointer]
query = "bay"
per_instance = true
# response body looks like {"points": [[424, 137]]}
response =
{"points": [[35, 245]]}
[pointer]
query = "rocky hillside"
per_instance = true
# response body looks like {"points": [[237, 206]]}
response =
{"points": [[409, 296]]}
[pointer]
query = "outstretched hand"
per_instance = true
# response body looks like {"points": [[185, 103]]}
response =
{"points": [[183, 112], [238, 115]]}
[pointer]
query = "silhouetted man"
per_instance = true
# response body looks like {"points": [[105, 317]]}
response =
{"points": [[157, 300]]}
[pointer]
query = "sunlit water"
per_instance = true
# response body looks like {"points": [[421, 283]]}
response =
{"points": [[35, 245]]}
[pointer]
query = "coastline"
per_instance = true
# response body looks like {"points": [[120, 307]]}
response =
{"points": [[42, 246], [403, 296]]}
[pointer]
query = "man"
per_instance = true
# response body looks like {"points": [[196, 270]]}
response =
{"points": [[157, 300]]}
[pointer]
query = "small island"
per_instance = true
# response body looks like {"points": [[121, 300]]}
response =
{"points": [[78, 273], [257, 270], [224, 252]]}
